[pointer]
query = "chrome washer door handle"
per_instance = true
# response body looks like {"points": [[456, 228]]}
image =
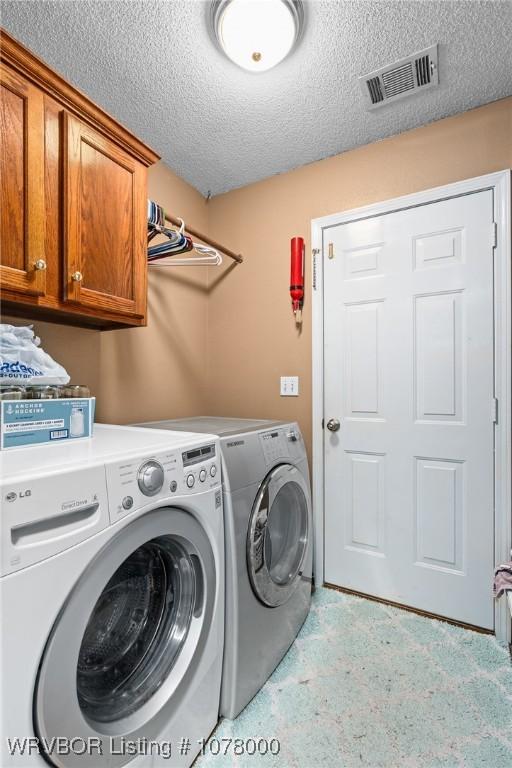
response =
{"points": [[333, 425]]}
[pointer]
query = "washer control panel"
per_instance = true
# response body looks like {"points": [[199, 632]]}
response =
{"points": [[199, 468], [135, 482], [151, 477]]}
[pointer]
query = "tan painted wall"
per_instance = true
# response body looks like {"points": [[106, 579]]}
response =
{"points": [[253, 339], [218, 342], [160, 371]]}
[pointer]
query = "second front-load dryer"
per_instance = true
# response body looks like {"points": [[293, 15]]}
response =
{"points": [[268, 526]]}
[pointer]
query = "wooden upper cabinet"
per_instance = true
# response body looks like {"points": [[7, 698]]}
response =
{"points": [[105, 205], [23, 263], [73, 201]]}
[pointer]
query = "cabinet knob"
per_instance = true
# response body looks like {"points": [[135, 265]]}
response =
{"points": [[77, 277], [40, 264]]}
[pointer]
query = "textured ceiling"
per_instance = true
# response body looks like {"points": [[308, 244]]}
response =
{"points": [[154, 67]]}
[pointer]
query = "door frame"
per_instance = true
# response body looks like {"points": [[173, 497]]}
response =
{"points": [[500, 185]]}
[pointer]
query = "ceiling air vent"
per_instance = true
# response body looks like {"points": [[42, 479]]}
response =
{"points": [[376, 94], [401, 79]]}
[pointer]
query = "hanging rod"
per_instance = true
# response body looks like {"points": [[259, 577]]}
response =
{"points": [[214, 244]]}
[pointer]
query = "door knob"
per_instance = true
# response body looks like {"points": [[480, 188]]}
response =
{"points": [[333, 425], [77, 277], [40, 264]]}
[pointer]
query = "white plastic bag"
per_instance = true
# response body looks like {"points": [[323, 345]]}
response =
{"points": [[22, 361]]}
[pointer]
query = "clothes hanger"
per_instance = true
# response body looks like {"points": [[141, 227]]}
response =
{"points": [[180, 243], [157, 219], [177, 241], [209, 258]]}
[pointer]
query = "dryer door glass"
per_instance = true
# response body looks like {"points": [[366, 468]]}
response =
{"points": [[136, 630], [285, 535], [278, 535]]}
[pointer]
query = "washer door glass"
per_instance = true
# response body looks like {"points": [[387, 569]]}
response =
{"points": [[125, 647], [278, 535], [136, 630]]}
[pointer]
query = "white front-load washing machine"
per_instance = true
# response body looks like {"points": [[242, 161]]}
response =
{"points": [[269, 552], [111, 599]]}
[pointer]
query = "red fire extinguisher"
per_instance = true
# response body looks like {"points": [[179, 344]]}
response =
{"points": [[297, 276]]}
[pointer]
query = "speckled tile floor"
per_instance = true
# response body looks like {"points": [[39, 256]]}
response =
{"points": [[371, 685]]}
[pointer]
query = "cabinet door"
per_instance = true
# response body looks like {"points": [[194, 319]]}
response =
{"points": [[104, 223], [23, 267]]}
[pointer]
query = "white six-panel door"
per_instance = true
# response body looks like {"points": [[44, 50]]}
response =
{"points": [[408, 329]]}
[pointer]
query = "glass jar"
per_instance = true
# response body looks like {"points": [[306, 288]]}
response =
{"points": [[74, 390], [9, 392], [42, 392]]}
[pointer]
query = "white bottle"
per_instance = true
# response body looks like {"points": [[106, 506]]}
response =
{"points": [[76, 422]]}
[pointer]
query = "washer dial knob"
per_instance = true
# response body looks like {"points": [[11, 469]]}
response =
{"points": [[150, 478]]}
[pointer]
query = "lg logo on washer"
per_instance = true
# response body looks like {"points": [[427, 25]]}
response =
{"points": [[12, 496]]}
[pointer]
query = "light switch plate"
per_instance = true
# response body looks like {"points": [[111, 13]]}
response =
{"points": [[289, 386]]}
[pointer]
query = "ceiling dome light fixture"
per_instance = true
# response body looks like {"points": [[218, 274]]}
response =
{"points": [[257, 34]]}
